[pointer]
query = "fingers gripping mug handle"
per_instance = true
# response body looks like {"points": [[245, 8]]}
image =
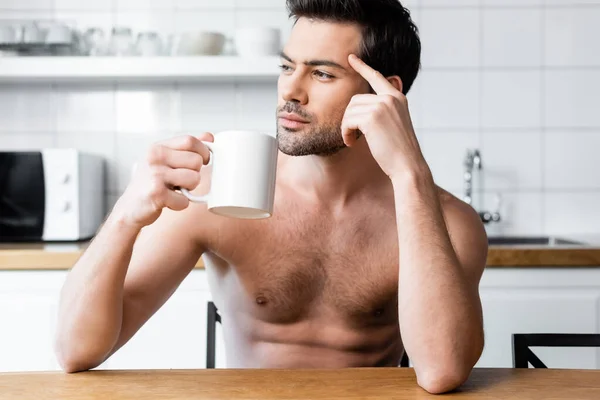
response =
{"points": [[186, 193]]}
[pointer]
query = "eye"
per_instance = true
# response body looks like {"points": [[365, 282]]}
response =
{"points": [[323, 75], [285, 68]]}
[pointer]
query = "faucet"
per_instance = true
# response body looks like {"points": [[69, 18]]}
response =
{"points": [[473, 161]]}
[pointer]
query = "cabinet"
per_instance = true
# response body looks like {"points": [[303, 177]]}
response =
{"points": [[28, 305], [515, 300], [540, 300], [175, 337]]}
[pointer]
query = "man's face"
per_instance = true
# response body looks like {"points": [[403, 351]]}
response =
{"points": [[315, 86]]}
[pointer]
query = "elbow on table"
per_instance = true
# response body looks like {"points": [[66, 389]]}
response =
{"points": [[71, 367], [71, 360], [441, 380]]}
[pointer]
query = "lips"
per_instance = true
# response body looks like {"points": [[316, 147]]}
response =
{"points": [[292, 121], [292, 117]]}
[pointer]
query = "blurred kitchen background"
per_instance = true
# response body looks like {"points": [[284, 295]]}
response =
{"points": [[511, 86], [519, 80]]}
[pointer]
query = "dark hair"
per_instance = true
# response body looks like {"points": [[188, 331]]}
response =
{"points": [[391, 43]]}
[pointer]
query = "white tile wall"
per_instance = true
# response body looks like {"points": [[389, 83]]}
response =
{"points": [[519, 46], [70, 5], [519, 79], [83, 20], [451, 38], [572, 213], [208, 107], [512, 160], [26, 108], [571, 160], [450, 99], [26, 5], [161, 21], [147, 108], [78, 108], [512, 99], [208, 20], [26, 140], [415, 104], [512, 3], [567, 36], [448, 3], [256, 105], [207, 4], [144, 5], [572, 97]]}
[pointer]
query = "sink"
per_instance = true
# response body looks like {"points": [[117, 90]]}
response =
{"points": [[531, 240]]}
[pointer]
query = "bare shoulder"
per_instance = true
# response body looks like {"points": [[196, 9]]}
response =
{"points": [[466, 232]]}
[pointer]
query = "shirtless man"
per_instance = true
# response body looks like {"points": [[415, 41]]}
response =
{"points": [[364, 257]]}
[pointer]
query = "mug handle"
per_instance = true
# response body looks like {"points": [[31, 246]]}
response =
{"points": [[186, 193]]}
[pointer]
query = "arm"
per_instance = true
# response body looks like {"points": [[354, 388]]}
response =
{"points": [[443, 248], [442, 258], [116, 286], [134, 264]]}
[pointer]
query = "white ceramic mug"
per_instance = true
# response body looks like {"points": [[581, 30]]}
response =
{"points": [[244, 165]]}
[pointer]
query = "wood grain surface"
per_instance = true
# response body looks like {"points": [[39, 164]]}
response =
{"points": [[543, 257], [351, 384], [32, 257]]}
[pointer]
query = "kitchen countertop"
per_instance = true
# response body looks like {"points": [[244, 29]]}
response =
{"points": [[44, 256], [62, 256]]}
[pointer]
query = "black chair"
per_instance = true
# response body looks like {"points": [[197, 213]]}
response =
{"points": [[521, 343], [212, 317]]}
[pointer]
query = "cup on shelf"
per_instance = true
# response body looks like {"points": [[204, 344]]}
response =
{"points": [[148, 44], [59, 33], [121, 42], [257, 41], [198, 43], [94, 42]]}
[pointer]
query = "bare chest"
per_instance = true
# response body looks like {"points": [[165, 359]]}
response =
{"points": [[287, 270]]}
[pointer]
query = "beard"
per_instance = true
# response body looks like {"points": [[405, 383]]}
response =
{"points": [[314, 139]]}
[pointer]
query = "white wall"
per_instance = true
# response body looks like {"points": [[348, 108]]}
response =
{"points": [[519, 79]]}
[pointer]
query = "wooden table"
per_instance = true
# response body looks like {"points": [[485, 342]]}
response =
{"points": [[368, 383]]}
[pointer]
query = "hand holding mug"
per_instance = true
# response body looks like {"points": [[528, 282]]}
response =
{"points": [[243, 177], [170, 164]]}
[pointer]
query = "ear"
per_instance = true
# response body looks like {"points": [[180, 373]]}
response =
{"points": [[396, 82]]}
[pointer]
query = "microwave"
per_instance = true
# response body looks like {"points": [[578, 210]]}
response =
{"points": [[51, 195]]}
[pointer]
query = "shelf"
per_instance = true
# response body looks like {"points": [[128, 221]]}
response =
{"points": [[137, 69]]}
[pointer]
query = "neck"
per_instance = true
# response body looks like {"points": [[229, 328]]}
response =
{"points": [[334, 180]]}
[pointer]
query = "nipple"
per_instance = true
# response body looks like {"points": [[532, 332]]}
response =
{"points": [[261, 300]]}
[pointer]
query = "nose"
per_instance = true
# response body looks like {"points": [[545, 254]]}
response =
{"points": [[291, 88]]}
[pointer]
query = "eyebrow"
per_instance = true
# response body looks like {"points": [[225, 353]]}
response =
{"points": [[314, 63]]}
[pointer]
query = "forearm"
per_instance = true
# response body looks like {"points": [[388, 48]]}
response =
{"points": [[91, 301], [439, 312]]}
